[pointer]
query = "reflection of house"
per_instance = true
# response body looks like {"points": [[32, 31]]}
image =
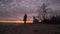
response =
{"points": [[31, 29]]}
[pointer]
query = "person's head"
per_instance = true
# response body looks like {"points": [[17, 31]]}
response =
{"points": [[25, 14]]}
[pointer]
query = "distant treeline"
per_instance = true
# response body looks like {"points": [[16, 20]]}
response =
{"points": [[53, 20]]}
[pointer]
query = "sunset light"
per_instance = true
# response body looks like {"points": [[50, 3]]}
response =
{"points": [[15, 21]]}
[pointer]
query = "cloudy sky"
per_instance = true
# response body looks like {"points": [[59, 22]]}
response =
{"points": [[15, 9]]}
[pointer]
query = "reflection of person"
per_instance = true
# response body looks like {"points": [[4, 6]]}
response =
{"points": [[25, 18]]}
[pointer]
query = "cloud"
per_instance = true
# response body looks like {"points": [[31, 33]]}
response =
{"points": [[14, 8], [56, 1]]}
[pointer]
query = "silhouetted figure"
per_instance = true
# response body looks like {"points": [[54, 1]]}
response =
{"points": [[25, 18], [35, 21]]}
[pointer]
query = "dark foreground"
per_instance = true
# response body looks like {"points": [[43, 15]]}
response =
{"points": [[29, 28]]}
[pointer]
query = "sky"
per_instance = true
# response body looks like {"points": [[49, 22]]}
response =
{"points": [[15, 9]]}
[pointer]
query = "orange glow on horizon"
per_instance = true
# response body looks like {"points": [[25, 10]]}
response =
{"points": [[16, 21]]}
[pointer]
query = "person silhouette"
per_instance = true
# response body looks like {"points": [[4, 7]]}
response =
{"points": [[35, 21], [25, 18]]}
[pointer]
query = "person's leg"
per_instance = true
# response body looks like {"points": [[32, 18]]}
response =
{"points": [[24, 22]]}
